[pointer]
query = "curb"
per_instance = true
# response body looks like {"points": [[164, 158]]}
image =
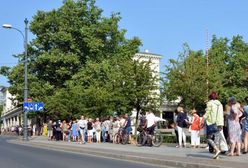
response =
{"points": [[122, 156]]}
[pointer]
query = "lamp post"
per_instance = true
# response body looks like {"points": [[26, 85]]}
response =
{"points": [[25, 39]]}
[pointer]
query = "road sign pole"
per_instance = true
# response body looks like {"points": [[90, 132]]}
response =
{"points": [[26, 79]]}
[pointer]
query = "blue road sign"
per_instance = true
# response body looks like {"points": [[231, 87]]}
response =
{"points": [[33, 106]]}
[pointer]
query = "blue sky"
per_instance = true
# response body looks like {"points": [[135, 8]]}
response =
{"points": [[162, 25]]}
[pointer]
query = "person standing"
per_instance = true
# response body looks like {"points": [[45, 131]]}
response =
{"points": [[104, 125], [234, 128], [246, 126], [107, 127], [82, 124], [111, 135], [128, 127], [214, 115], [58, 135], [44, 129], [50, 130], [34, 130], [175, 127], [54, 131], [226, 117], [195, 129], [182, 124], [116, 126], [74, 131], [69, 130], [97, 126], [90, 130], [65, 131]]}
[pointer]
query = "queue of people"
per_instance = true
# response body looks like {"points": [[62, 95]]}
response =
{"points": [[87, 130], [184, 123], [234, 121], [226, 128]]}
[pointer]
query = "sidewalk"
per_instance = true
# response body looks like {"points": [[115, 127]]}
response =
{"points": [[163, 155]]}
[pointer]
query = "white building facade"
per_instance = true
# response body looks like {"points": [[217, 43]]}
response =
{"points": [[154, 66], [11, 115], [155, 63], [168, 107]]}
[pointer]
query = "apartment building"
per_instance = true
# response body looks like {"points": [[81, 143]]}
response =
{"points": [[11, 115]]}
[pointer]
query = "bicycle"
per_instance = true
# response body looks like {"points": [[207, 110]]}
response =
{"points": [[144, 138], [121, 137]]}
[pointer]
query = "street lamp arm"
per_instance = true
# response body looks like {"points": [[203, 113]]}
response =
{"points": [[9, 26], [20, 32]]}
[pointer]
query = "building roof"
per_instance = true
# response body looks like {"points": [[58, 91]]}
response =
{"points": [[148, 55]]}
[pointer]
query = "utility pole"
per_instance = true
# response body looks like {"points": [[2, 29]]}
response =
{"points": [[207, 63], [26, 79], [25, 39]]}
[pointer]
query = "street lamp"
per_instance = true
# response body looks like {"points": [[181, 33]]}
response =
{"points": [[25, 39]]}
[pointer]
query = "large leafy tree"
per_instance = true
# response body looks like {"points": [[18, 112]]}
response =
{"points": [[65, 40], [113, 86], [228, 67], [218, 56], [81, 63], [236, 80]]}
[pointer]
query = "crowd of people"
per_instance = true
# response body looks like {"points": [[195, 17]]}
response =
{"points": [[226, 129], [87, 130]]}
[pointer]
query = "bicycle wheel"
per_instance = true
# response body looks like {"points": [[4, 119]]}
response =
{"points": [[124, 139], [157, 139], [139, 140], [117, 138]]}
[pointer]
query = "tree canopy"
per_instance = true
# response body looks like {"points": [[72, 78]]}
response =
{"points": [[191, 77]]}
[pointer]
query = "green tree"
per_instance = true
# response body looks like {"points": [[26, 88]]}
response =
{"points": [[228, 67], [116, 85], [218, 57], [226, 73], [65, 40], [144, 88], [236, 80], [185, 78]]}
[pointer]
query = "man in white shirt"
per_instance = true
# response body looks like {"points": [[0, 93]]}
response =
{"points": [[150, 122], [82, 124]]}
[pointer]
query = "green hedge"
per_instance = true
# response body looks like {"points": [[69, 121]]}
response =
{"points": [[169, 138], [172, 139]]}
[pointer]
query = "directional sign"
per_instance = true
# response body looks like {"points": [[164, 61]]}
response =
{"points": [[38, 106], [26, 106], [33, 106]]}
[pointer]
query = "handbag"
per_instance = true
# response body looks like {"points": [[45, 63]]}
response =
{"points": [[213, 128]]}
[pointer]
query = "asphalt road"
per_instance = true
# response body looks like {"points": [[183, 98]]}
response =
{"points": [[18, 156]]}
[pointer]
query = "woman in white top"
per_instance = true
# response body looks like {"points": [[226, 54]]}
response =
{"points": [[97, 126], [116, 127]]}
